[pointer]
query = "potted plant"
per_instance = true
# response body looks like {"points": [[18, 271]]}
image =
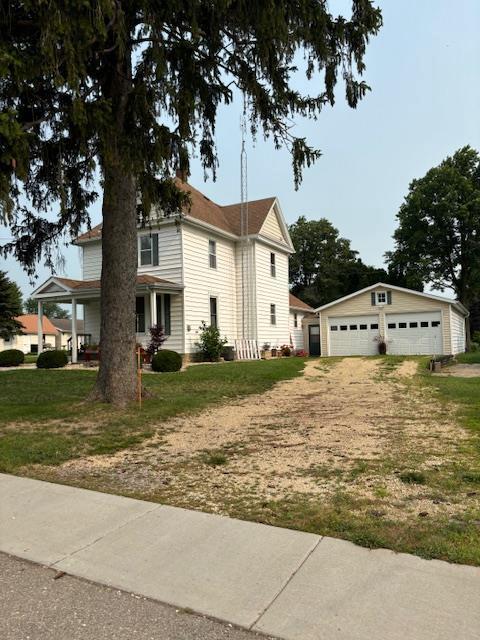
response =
{"points": [[285, 351], [274, 352], [265, 351]]}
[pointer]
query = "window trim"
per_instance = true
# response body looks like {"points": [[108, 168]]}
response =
{"points": [[212, 255], [210, 298], [140, 315], [377, 297], [153, 250], [273, 314], [273, 264]]}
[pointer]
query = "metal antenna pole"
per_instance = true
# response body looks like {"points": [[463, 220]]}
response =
{"points": [[244, 228]]}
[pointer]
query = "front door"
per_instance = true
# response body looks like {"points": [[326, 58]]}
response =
{"points": [[314, 339]]}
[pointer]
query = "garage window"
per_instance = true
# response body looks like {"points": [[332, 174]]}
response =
{"points": [[435, 323], [353, 327], [363, 327], [334, 327], [413, 325], [374, 326], [343, 327], [424, 324], [392, 325], [402, 325]]}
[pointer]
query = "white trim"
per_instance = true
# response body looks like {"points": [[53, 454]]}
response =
{"points": [[74, 332], [431, 296], [321, 333]]}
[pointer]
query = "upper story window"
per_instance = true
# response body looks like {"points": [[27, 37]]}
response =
{"points": [[212, 254], [273, 266], [381, 297], [148, 250], [273, 314]]}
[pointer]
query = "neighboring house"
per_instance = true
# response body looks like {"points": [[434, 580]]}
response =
{"points": [[27, 341], [64, 336], [411, 322], [194, 268], [299, 310]]}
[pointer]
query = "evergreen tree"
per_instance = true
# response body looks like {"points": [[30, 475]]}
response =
{"points": [[131, 89], [10, 307]]}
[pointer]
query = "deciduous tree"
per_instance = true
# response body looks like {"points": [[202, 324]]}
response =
{"points": [[50, 309], [131, 89]]}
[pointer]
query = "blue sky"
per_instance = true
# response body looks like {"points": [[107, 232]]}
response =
{"points": [[423, 68]]}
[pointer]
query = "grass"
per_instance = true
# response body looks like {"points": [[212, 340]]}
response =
{"points": [[45, 417], [473, 357], [30, 358]]}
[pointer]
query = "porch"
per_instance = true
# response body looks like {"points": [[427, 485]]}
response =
{"points": [[158, 301]]}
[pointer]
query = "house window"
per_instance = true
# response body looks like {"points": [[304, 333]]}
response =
{"points": [[381, 297], [295, 320], [140, 314], [148, 250], [273, 314], [164, 313], [213, 313], [212, 254], [273, 266]]}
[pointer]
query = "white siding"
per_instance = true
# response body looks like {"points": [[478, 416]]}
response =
{"points": [[92, 260], [249, 283], [457, 327], [201, 282], [296, 333], [21, 342], [169, 254], [271, 227], [270, 290], [91, 316]]}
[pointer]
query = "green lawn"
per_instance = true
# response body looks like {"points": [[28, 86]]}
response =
{"points": [[45, 417], [472, 357], [31, 358]]}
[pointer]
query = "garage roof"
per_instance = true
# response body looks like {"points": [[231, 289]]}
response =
{"points": [[455, 303]]}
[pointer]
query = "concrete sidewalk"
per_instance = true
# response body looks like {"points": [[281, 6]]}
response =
{"points": [[284, 583]]}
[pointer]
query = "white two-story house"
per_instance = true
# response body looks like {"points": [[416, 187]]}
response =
{"points": [[196, 267]]}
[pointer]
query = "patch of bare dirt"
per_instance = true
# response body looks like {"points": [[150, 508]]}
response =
{"points": [[340, 427], [462, 371]]}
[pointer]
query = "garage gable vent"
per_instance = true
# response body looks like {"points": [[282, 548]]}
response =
{"points": [[389, 297]]}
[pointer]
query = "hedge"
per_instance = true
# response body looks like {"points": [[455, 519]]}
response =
{"points": [[165, 360], [11, 358], [52, 359]]}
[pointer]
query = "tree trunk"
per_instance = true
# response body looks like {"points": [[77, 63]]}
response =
{"points": [[116, 380]]}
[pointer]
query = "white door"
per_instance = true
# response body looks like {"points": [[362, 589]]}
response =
{"points": [[353, 335], [414, 333]]}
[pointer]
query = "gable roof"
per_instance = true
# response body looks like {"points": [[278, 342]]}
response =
{"points": [[225, 218], [65, 324], [296, 303], [458, 305], [30, 324]]}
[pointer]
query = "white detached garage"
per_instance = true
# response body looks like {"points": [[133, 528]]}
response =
{"points": [[411, 323]]}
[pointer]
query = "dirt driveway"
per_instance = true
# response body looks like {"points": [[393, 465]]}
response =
{"points": [[357, 426]]}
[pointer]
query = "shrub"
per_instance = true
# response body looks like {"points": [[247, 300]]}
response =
{"points": [[165, 360], [55, 359], [286, 350], [11, 358], [157, 338], [210, 344]]}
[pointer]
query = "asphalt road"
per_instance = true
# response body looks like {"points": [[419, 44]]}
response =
{"points": [[35, 605]]}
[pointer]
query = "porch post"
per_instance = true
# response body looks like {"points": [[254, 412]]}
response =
{"points": [[40, 326], [74, 332], [153, 308]]}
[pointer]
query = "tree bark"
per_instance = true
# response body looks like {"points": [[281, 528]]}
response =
{"points": [[116, 380]]}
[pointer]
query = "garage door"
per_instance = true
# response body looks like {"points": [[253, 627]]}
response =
{"points": [[353, 336], [414, 333]]}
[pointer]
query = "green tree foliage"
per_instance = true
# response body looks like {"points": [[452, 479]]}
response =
{"points": [[325, 267], [50, 309], [10, 307], [438, 236], [131, 90]]}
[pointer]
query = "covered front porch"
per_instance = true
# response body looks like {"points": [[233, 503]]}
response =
{"points": [[158, 301]]}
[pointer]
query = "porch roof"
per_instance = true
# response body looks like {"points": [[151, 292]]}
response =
{"points": [[63, 289]]}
